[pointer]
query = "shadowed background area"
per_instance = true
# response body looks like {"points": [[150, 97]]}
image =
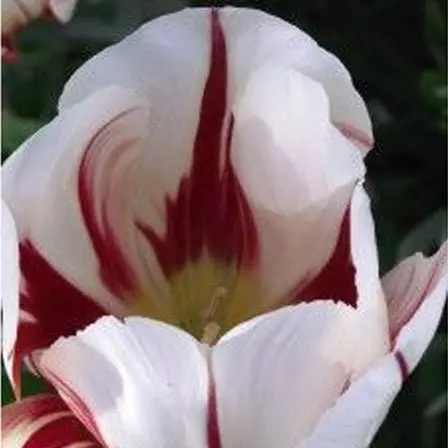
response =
{"points": [[396, 52]]}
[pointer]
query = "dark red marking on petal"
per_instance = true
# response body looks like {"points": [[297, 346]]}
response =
{"points": [[47, 13], [64, 430], [75, 403], [58, 308], [398, 322], [115, 270], [402, 364], [355, 134], [9, 48], [238, 234], [205, 170], [210, 210], [213, 435], [345, 386], [336, 280]]}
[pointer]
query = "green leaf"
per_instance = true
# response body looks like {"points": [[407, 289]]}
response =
{"points": [[438, 406], [31, 385], [425, 237]]}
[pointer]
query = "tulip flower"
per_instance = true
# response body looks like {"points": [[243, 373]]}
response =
{"points": [[17, 13], [205, 174]]}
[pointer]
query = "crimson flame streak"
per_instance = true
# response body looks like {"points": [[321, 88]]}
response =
{"points": [[210, 210]]}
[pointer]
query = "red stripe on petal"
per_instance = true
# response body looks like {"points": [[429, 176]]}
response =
{"points": [[9, 48], [43, 421], [356, 135], [236, 233], [210, 211], [205, 171], [115, 271], [336, 281], [62, 432], [74, 402], [402, 364], [408, 285], [408, 312], [213, 435], [47, 13], [56, 307]]}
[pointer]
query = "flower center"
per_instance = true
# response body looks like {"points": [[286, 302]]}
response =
{"points": [[206, 299]]}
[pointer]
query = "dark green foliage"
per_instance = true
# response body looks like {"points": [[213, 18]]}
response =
{"points": [[31, 385], [396, 52]]}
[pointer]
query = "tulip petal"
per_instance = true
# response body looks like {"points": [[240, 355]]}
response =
{"points": [[166, 61], [43, 421], [296, 92], [353, 269], [62, 9], [41, 185], [10, 283], [140, 383], [422, 285], [409, 284], [256, 39], [282, 127], [351, 274], [364, 251], [297, 171], [276, 377], [72, 261], [209, 211], [358, 413], [10, 257], [175, 46], [50, 306], [16, 13], [295, 249]]}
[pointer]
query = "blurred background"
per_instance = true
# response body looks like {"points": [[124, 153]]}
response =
{"points": [[396, 52]]}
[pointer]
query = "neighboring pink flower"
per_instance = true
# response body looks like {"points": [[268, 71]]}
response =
{"points": [[207, 172], [17, 13]]}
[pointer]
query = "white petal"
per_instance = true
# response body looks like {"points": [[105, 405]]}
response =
{"points": [[297, 171], [286, 151], [427, 306], [360, 253], [63, 9], [41, 182], [43, 420], [171, 52], [16, 13], [277, 78], [364, 248], [357, 415], [166, 61], [143, 383], [409, 284], [294, 249], [371, 305], [10, 283], [360, 411], [352, 276], [11, 16], [256, 39], [276, 377]]}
